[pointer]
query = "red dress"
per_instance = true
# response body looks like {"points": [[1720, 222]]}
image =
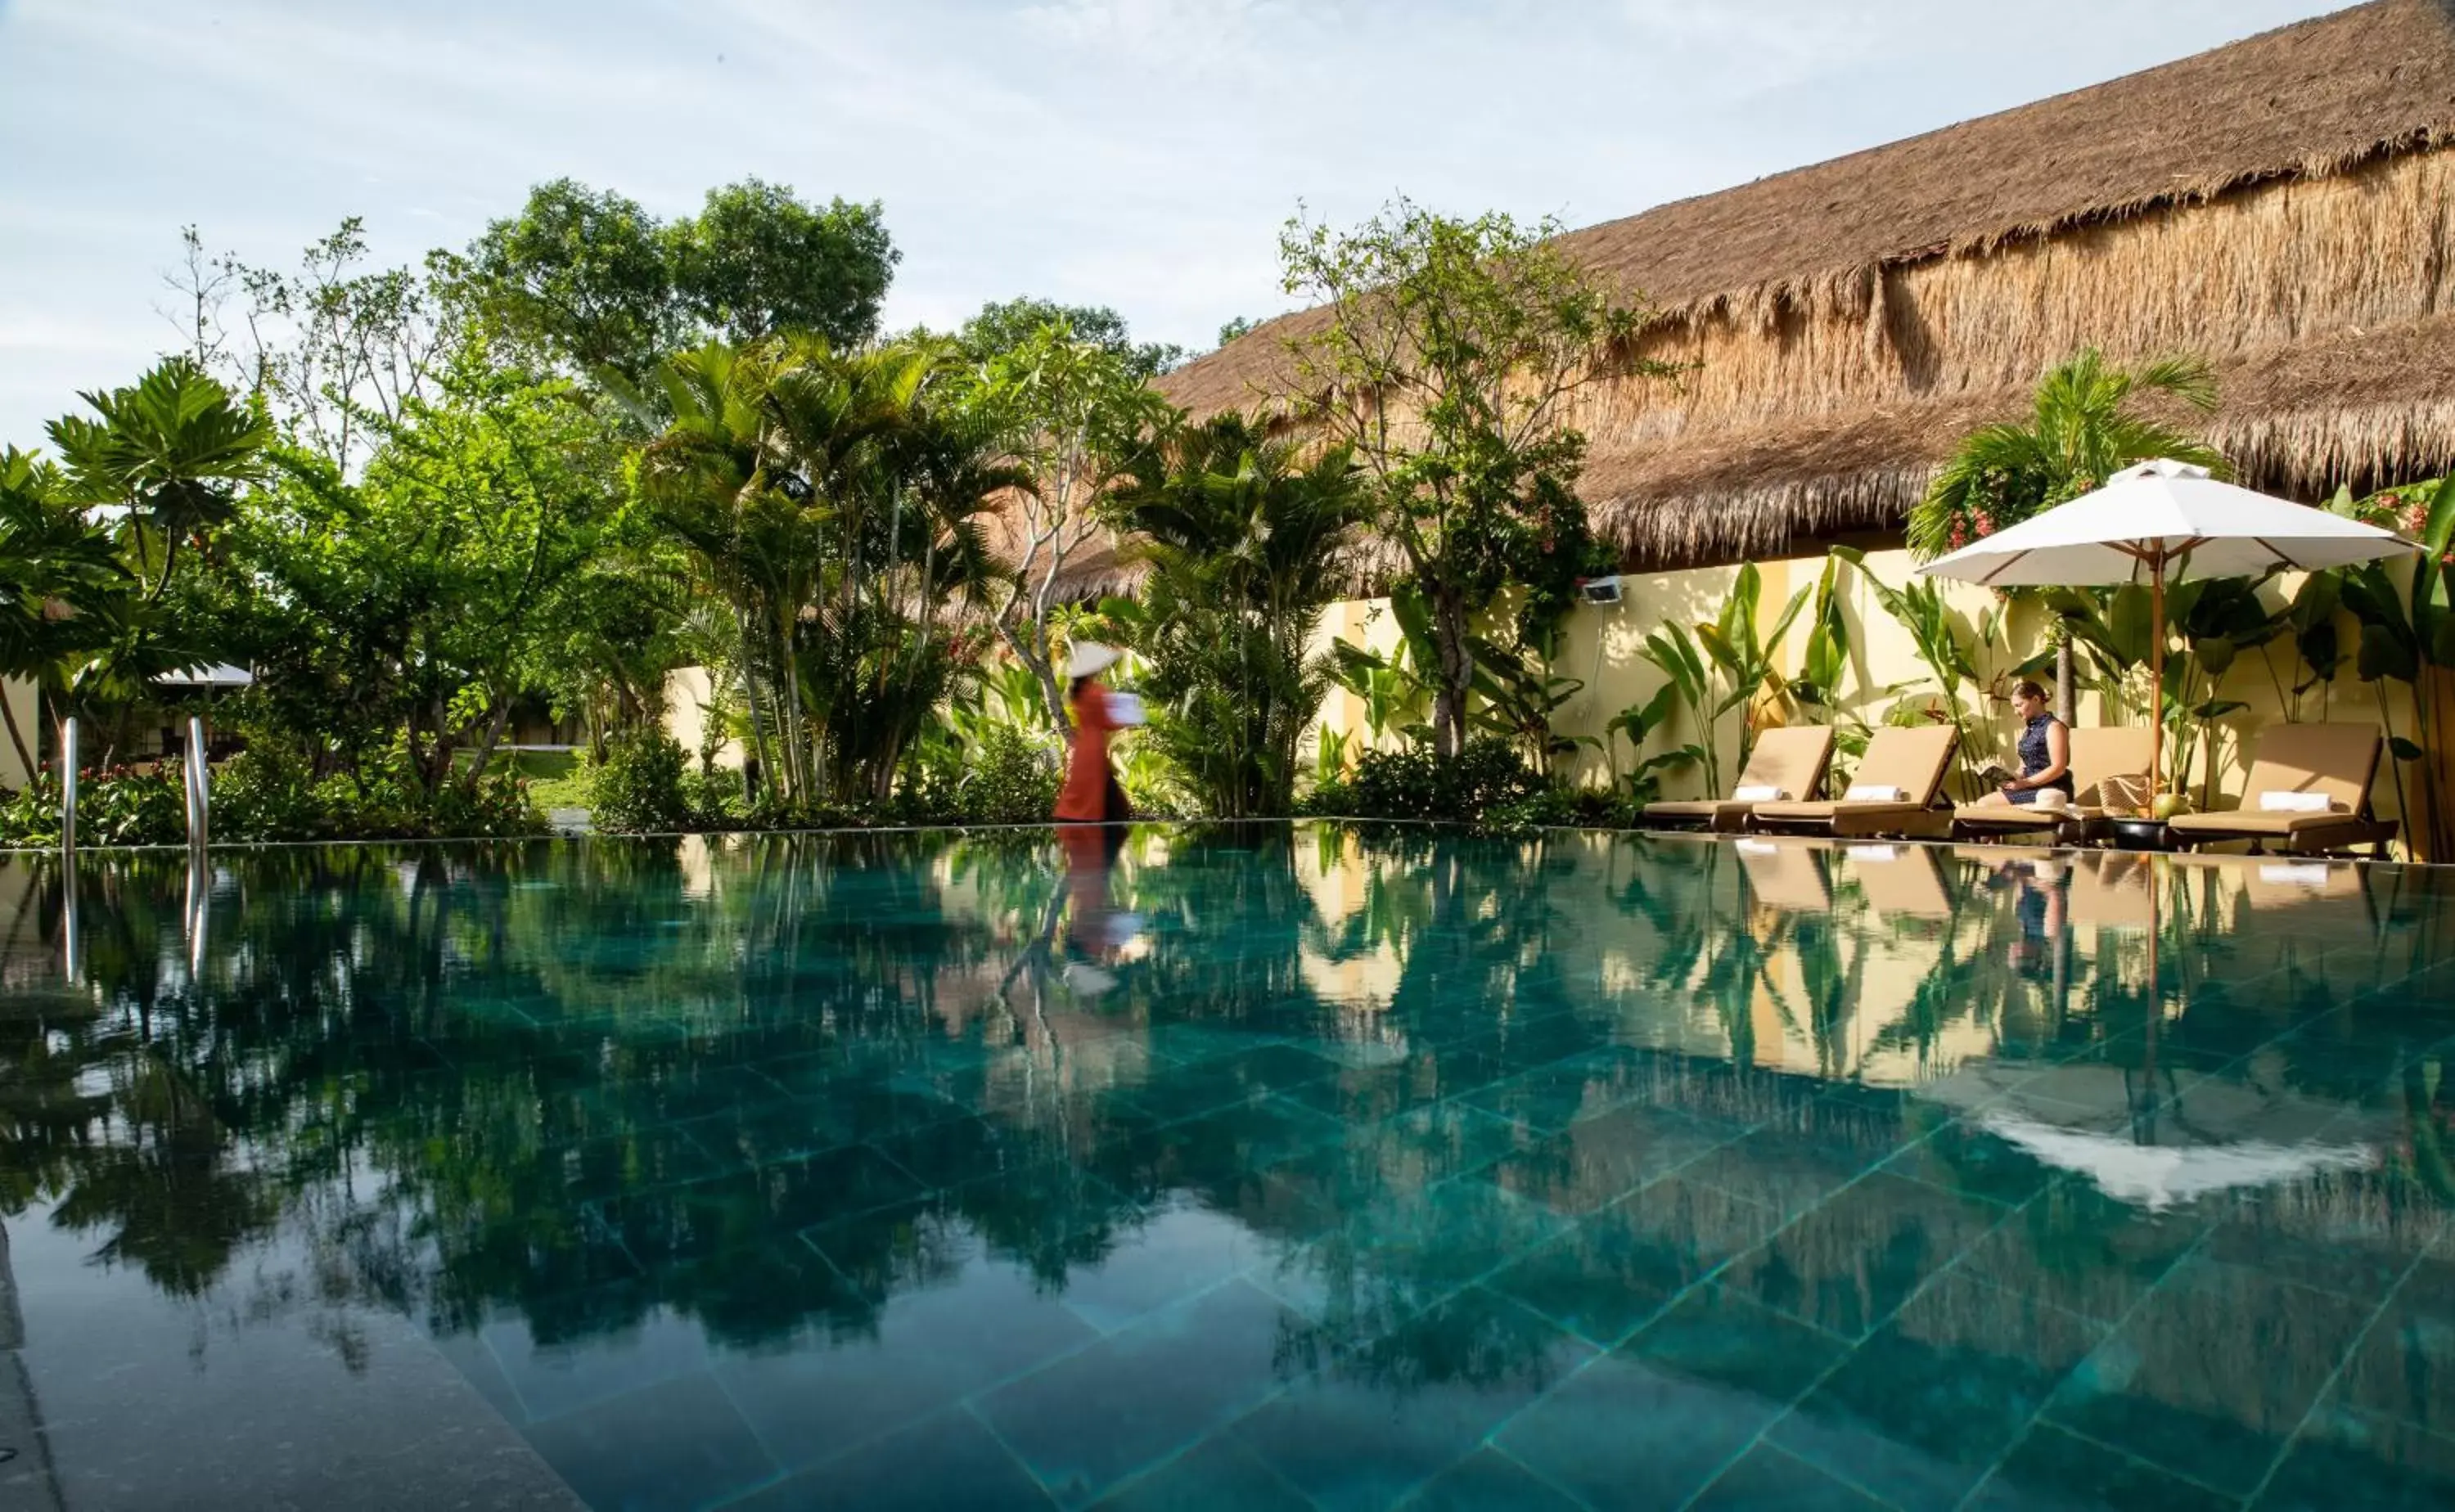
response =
{"points": [[1085, 797]]}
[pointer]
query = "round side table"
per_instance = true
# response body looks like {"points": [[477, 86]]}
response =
{"points": [[2138, 835]]}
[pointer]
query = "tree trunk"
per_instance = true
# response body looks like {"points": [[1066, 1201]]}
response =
{"points": [[1055, 693], [436, 769], [795, 751], [2066, 684], [1043, 665], [486, 747], [1456, 675]]}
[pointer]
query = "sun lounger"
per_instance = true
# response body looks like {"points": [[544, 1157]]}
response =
{"points": [[1789, 761], [2329, 766], [2109, 766], [1911, 763]]}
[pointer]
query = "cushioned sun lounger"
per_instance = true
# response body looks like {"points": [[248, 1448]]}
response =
{"points": [[1910, 761], [2331, 766], [2109, 769], [1789, 760]]}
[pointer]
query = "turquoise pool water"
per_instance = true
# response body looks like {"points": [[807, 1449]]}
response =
{"points": [[1265, 1168]]}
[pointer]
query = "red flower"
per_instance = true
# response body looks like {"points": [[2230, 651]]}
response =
{"points": [[1959, 535]]}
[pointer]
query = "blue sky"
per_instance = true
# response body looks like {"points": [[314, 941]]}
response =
{"points": [[1134, 152]]}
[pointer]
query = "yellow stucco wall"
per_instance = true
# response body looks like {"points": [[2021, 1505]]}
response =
{"points": [[688, 693], [23, 704]]}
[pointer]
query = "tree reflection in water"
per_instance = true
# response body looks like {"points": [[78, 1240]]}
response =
{"points": [[771, 1085]]}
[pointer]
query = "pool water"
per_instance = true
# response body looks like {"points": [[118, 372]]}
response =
{"points": [[1251, 1168]]}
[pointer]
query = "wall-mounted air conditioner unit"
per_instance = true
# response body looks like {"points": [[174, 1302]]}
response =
{"points": [[1599, 590]]}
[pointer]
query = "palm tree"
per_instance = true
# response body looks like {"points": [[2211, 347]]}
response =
{"points": [[171, 449], [923, 568], [1241, 533], [711, 483], [839, 501], [2083, 427]]}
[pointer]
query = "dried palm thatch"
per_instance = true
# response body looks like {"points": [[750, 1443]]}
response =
{"points": [[2285, 206]]}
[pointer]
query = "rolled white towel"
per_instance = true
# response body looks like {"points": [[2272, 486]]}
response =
{"points": [[2274, 803], [2296, 874], [1757, 793], [1875, 793]]}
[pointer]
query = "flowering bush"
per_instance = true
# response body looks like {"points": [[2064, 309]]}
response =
{"points": [[2405, 509]]}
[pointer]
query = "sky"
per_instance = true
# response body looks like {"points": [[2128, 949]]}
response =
{"points": [[1138, 153]]}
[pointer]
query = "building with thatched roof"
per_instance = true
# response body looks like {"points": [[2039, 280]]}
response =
{"points": [[2281, 205]]}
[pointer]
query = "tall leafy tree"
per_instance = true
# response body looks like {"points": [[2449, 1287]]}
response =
{"points": [[580, 275], [1076, 413], [1242, 535], [591, 280], [757, 260], [1002, 328], [415, 602], [1449, 358]]}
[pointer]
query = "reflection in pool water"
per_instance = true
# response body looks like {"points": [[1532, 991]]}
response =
{"points": [[1285, 1167]]}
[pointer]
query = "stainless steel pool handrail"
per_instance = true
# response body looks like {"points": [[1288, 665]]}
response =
{"points": [[68, 787], [199, 796]]}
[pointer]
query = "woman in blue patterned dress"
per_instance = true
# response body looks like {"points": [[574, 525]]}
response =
{"points": [[2046, 748]]}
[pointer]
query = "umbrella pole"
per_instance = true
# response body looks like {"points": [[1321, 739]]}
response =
{"points": [[2156, 678]]}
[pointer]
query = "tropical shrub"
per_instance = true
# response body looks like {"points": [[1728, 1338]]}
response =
{"points": [[1560, 806], [638, 788], [1422, 784], [1010, 781], [115, 806], [269, 793]]}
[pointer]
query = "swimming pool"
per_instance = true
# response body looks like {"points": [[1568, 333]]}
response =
{"points": [[1262, 1167]]}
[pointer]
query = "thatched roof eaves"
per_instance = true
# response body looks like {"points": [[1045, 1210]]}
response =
{"points": [[2305, 100], [2296, 419]]}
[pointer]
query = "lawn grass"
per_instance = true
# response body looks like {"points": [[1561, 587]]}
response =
{"points": [[558, 779]]}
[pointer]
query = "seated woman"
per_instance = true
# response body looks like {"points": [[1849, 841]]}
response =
{"points": [[2046, 749]]}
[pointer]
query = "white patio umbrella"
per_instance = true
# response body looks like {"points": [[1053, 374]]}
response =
{"points": [[2160, 522]]}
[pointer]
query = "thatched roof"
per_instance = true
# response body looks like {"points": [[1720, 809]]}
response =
{"points": [[2296, 420], [1786, 434]]}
